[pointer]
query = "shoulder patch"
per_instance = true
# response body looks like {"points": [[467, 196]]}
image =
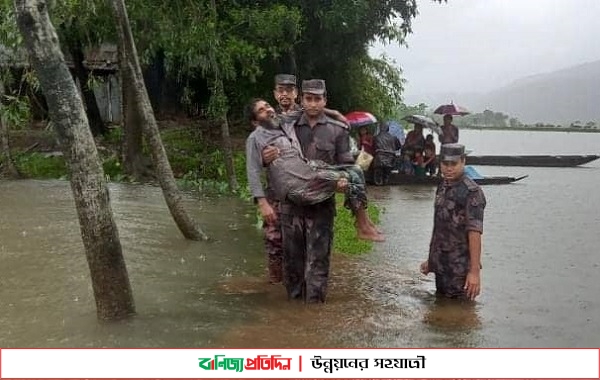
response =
{"points": [[471, 185], [337, 123]]}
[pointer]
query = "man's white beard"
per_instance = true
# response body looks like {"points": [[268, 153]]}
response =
{"points": [[271, 123]]}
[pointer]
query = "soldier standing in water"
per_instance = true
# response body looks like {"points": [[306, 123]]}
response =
{"points": [[308, 230], [285, 93], [455, 247]]}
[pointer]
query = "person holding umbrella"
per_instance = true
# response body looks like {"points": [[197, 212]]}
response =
{"points": [[449, 131]]}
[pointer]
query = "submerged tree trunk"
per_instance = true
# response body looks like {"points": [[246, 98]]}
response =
{"points": [[8, 168], [134, 161], [92, 110], [110, 282], [159, 155]]}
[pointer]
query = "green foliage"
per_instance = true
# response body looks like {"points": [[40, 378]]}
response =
{"points": [[82, 21], [244, 43], [114, 136], [344, 238], [405, 110], [376, 87], [38, 165], [10, 38], [487, 118], [196, 41], [334, 46], [112, 168], [198, 159], [14, 111]]}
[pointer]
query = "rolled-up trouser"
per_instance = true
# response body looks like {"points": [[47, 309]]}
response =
{"points": [[323, 185]]}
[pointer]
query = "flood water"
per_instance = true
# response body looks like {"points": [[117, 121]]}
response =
{"points": [[540, 276]]}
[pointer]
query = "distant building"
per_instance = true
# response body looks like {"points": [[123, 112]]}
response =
{"points": [[102, 62]]}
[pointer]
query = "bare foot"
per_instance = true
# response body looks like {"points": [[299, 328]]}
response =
{"points": [[371, 226], [374, 227], [367, 235]]}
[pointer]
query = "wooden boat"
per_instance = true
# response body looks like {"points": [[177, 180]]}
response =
{"points": [[538, 161], [397, 179]]}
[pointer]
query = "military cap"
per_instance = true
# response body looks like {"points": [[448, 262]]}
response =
{"points": [[313, 86], [285, 79], [452, 152]]}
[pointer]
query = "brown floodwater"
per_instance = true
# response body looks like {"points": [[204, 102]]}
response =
{"points": [[540, 276]]}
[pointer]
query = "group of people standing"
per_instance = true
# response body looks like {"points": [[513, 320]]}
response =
{"points": [[305, 151]]}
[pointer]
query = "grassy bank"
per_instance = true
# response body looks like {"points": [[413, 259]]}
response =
{"points": [[344, 238], [197, 164]]}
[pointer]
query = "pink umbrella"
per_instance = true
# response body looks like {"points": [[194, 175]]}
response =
{"points": [[451, 109], [358, 119]]}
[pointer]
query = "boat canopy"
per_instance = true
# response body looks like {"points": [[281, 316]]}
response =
{"points": [[472, 173]]}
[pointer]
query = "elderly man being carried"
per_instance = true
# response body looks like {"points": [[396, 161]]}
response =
{"points": [[293, 177]]}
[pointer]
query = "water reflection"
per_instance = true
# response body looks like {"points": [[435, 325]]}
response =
{"points": [[452, 315], [289, 324]]}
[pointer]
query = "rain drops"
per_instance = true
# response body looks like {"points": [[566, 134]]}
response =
{"points": [[228, 273]]}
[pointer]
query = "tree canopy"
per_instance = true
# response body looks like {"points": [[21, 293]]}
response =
{"points": [[249, 41]]}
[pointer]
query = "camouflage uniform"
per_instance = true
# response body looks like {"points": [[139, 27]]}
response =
{"points": [[272, 231], [308, 230], [459, 208], [273, 244]]}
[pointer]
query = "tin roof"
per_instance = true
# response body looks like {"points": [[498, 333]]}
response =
{"points": [[104, 58]]}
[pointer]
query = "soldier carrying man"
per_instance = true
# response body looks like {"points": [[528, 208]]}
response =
{"points": [[285, 93], [308, 230], [293, 177]]}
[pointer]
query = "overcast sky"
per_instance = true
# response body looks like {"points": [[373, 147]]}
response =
{"points": [[479, 45]]}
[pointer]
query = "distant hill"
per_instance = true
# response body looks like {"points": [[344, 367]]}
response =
{"points": [[558, 97]]}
